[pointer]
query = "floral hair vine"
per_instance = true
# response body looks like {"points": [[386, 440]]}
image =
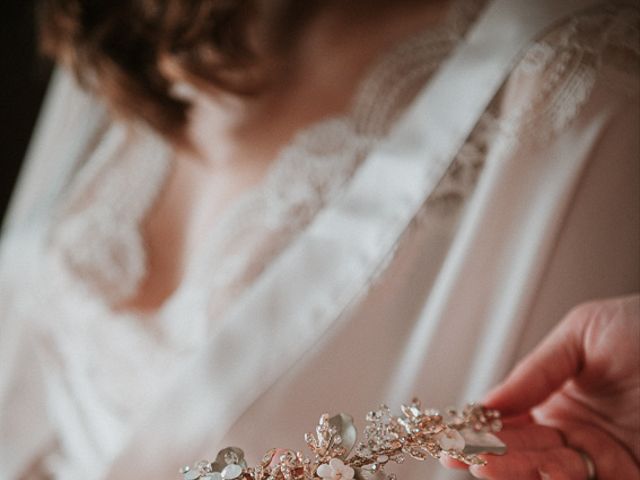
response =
{"points": [[416, 433]]}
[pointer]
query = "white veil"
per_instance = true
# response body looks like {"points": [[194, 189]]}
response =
{"points": [[70, 124]]}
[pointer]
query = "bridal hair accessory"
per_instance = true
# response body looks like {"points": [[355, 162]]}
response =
{"points": [[416, 433]]}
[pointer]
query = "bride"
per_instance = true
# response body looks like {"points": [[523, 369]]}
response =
{"points": [[257, 211]]}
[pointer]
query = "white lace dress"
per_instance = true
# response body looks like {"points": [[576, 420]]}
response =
{"points": [[533, 215]]}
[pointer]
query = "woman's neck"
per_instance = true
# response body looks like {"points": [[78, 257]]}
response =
{"points": [[336, 48]]}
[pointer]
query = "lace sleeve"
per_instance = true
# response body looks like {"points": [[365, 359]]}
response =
{"points": [[546, 92], [558, 74]]}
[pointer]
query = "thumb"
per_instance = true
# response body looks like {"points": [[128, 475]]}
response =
{"points": [[559, 357]]}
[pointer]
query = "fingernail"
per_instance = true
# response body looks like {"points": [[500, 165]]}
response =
{"points": [[477, 471]]}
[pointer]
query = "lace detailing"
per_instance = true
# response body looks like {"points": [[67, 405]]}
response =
{"points": [[558, 73], [395, 81], [463, 173], [309, 173], [543, 95], [546, 92], [314, 169], [99, 236]]}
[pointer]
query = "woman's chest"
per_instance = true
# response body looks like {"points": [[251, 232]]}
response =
{"points": [[189, 206]]}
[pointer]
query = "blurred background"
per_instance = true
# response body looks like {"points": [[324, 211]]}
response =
{"points": [[24, 74]]}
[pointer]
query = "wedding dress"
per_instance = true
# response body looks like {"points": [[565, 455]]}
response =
{"points": [[322, 289]]}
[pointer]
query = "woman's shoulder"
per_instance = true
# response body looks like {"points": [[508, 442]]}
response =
{"points": [[596, 44], [597, 49]]}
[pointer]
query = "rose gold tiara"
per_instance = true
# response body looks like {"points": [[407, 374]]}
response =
{"points": [[416, 433]]}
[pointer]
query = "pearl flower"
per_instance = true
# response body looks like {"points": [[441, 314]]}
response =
{"points": [[335, 470]]}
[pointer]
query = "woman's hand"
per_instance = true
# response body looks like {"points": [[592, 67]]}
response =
{"points": [[579, 389]]}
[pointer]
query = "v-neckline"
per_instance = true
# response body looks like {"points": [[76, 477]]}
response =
{"points": [[364, 124]]}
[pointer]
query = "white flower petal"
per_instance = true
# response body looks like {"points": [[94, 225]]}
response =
{"points": [[347, 473], [325, 471]]}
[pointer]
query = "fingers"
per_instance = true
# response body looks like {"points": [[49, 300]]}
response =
{"points": [[540, 452], [590, 347], [612, 460], [515, 421], [562, 463], [448, 462], [542, 372], [531, 437], [585, 338]]}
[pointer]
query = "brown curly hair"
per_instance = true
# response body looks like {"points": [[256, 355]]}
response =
{"points": [[116, 48]]}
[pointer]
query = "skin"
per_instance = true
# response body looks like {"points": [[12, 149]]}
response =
{"points": [[580, 387], [236, 140]]}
